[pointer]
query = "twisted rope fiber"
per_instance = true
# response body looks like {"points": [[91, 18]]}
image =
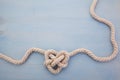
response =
{"points": [[55, 61]]}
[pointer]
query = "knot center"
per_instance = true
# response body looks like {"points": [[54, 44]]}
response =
{"points": [[55, 61]]}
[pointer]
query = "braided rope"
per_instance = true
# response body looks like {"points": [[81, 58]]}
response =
{"points": [[55, 61], [24, 58], [113, 41]]}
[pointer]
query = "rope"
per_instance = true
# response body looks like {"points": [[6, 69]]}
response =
{"points": [[24, 58], [55, 61]]}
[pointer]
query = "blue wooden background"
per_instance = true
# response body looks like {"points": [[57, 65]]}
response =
{"points": [[59, 25]]}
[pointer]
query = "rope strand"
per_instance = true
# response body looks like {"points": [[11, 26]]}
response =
{"points": [[24, 58], [113, 41]]}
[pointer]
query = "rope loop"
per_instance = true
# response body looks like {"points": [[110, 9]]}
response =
{"points": [[55, 61]]}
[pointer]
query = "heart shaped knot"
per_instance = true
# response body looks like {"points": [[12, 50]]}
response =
{"points": [[55, 61]]}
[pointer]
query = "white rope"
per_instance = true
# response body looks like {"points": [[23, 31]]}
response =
{"points": [[113, 41], [55, 61], [24, 58]]}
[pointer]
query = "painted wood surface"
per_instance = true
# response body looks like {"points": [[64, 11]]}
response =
{"points": [[59, 25]]}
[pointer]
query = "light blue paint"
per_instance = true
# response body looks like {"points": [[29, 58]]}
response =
{"points": [[59, 25]]}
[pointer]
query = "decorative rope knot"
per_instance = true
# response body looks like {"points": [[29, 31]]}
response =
{"points": [[55, 61]]}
